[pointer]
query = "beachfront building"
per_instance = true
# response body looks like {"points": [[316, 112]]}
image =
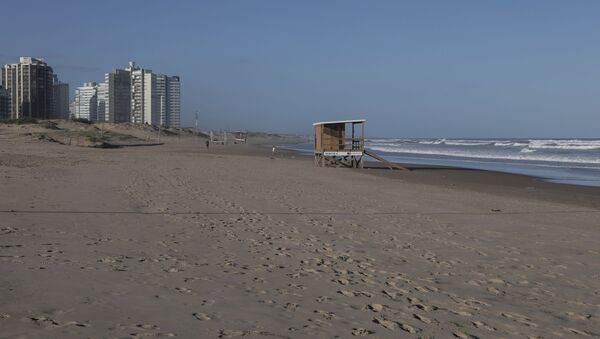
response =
{"points": [[118, 98], [139, 104], [159, 100], [60, 94], [134, 95], [155, 98], [4, 104], [102, 101], [173, 114], [86, 102], [29, 84]]}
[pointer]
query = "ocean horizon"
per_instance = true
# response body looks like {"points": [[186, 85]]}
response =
{"points": [[573, 161]]}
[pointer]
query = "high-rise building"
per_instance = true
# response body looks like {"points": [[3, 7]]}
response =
{"points": [[86, 102], [4, 104], [118, 101], [29, 84], [60, 93], [160, 100], [134, 95], [102, 100], [173, 103], [155, 98], [141, 86]]}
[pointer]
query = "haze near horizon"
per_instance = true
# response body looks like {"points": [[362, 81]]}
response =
{"points": [[435, 69]]}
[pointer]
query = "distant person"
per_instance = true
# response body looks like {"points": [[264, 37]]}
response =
{"points": [[273, 151], [207, 144]]}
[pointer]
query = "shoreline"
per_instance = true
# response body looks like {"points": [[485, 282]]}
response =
{"points": [[493, 182], [554, 172]]}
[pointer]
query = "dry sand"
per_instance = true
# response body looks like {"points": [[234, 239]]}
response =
{"points": [[177, 240]]}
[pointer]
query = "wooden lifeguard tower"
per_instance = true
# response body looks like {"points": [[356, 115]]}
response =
{"points": [[340, 143], [215, 139], [240, 137]]}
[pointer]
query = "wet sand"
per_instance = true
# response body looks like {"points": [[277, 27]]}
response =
{"points": [[177, 240]]}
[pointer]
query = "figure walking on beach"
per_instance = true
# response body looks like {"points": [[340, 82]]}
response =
{"points": [[273, 151], [207, 144]]}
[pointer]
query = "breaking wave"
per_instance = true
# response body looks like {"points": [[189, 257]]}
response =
{"points": [[559, 144], [530, 155]]}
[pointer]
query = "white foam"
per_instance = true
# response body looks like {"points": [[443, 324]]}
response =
{"points": [[574, 144], [527, 156], [511, 144], [559, 144]]}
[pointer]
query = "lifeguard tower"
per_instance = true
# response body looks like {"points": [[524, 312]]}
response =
{"points": [[218, 140], [340, 143], [240, 137], [333, 147]]}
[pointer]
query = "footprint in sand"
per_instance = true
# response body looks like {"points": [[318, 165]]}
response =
{"points": [[49, 322], [317, 323], [390, 325], [482, 325], [462, 335], [361, 332], [202, 316], [325, 314], [522, 319], [183, 290], [291, 306], [375, 307], [422, 318], [236, 333], [580, 332], [323, 299]]}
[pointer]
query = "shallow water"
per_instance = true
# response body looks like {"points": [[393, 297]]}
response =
{"points": [[569, 161]]}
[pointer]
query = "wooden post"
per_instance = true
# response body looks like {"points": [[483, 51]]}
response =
{"points": [[352, 140], [362, 138]]}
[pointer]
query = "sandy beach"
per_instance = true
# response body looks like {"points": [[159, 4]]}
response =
{"points": [[176, 240]]}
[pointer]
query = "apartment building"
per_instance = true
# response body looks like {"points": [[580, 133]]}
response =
{"points": [[86, 102], [118, 97], [29, 84], [60, 94], [4, 104]]}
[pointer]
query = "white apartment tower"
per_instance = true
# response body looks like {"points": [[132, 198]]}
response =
{"points": [[86, 102], [132, 94], [155, 98], [29, 85], [138, 92], [102, 101]]}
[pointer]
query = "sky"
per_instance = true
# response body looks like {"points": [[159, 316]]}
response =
{"points": [[429, 68]]}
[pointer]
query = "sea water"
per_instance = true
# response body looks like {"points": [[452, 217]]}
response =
{"points": [[570, 161]]}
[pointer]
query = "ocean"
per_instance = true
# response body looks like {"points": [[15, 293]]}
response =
{"points": [[569, 161]]}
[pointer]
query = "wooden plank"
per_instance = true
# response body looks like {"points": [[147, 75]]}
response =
{"points": [[388, 164]]}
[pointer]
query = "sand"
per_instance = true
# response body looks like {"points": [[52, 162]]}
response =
{"points": [[177, 240]]}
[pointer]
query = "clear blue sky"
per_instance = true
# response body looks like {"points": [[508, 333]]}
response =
{"points": [[416, 69]]}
